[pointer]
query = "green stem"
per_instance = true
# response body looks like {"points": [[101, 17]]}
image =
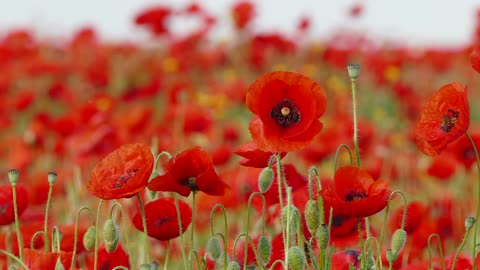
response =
{"points": [[75, 237], [464, 241], [180, 230], [477, 214], [360, 235], [16, 259], [225, 257], [119, 206], [167, 255], [439, 248], [287, 241], [145, 230], [192, 234], [17, 223], [249, 209], [355, 124], [337, 154], [47, 207], [97, 220], [197, 260]]}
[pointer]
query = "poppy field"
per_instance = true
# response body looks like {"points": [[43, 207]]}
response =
{"points": [[264, 151]]}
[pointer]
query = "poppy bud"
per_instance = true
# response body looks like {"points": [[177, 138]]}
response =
{"points": [[110, 235], [213, 248], [233, 265], [391, 258], [293, 219], [264, 249], [296, 258], [265, 179], [398, 241], [56, 238], [312, 216], [52, 177], [353, 71], [13, 176], [323, 236], [59, 265], [89, 238], [469, 222]]}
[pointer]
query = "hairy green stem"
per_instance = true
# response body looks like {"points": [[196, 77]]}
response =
{"points": [[97, 220], [477, 213], [180, 230], [17, 223], [145, 229]]}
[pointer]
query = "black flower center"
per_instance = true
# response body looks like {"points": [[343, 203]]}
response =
{"points": [[163, 220], [285, 113], [338, 221], [355, 196], [125, 177], [449, 120], [191, 183]]}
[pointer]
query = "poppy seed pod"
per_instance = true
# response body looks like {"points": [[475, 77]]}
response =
{"points": [[469, 222], [296, 258], [265, 179], [398, 240], [233, 265], [13, 176], [312, 216], [264, 249], [52, 178], [323, 236], [353, 71], [293, 218], [213, 248], [89, 238]]}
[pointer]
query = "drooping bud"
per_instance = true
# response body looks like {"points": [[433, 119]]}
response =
{"points": [[398, 240], [264, 249], [89, 238], [59, 265], [265, 179], [233, 265], [111, 235], [52, 177], [213, 248], [353, 71], [312, 216], [293, 219], [296, 258], [13, 176], [469, 222], [323, 236], [391, 258]]}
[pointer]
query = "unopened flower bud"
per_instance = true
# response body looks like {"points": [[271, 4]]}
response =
{"points": [[213, 248], [111, 235], [293, 219], [52, 177], [296, 258], [469, 222], [391, 257], [398, 241], [57, 236], [89, 238], [13, 176], [233, 265], [59, 265], [323, 236], [264, 249], [312, 216], [353, 71], [265, 179]]}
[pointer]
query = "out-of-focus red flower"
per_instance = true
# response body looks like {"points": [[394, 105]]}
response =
{"points": [[287, 106], [442, 167], [475, 59], [304, 24], [415, 212], [41, 260], [242, 14], [163, 225], [444, 118], [462, 149], [341, 260], [354, 193], [221, 155], [122, 173], [109, 260], [254, 157], [154, 19], [355, 10], [28, 229], [24, 99], [6, 203], [191, 170]]}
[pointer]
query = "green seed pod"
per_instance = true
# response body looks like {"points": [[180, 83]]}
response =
{"points": [[312, 216], [213, 248], [265, 179], [264, 249], [469, 222], [398, 241], [110, 231], [110, 246], [323, 236], [59, 265], [89, 238], [296, 258], [52, 178], [294, 218], [13, 176], [353, 71], [233, 265]]}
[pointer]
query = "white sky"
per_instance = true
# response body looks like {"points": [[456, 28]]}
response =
{"points": [[415, 21]]}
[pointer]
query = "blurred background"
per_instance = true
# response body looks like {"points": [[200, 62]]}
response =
{"points": [[414, 22]]}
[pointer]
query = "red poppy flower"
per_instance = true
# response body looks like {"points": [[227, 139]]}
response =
{"points": [[475, 59], [444, 118], [242, 13], [341, 260], [354, 193], [462, 149], [163, 225], [155, 19], [191, 170], [122, 173], [6, 203], [287, 107], [41, 260], [443, 167], [254, 157], [415, 212], [109, 260]]}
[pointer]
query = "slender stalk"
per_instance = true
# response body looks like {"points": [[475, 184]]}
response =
{"points": [[145, 230], [192, 234], [47, 207], [17, 223], [119, 206], [464, 241], [249, 208], [280, 199], [360, 235], [180, 230], [477, 214], [355, 124], [75, 237], [337, 154], [167, 255], [97, 220], [225, 258], [16, 259], [439, 248]]}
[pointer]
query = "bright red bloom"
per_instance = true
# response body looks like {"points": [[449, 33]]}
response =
{"points": [[122, 173], [154, 19], [475, 59], [341, 260], [242, 13], [444, 118], [109, 260], [287, 106], [191, 170], [354, 193], [163, 225], [443, 167], [6, 203], [415, 212], [462, 149], [41, 260], [254, 157]]}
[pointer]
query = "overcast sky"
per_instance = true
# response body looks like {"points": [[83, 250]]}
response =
{"points": [[416, 21]]}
